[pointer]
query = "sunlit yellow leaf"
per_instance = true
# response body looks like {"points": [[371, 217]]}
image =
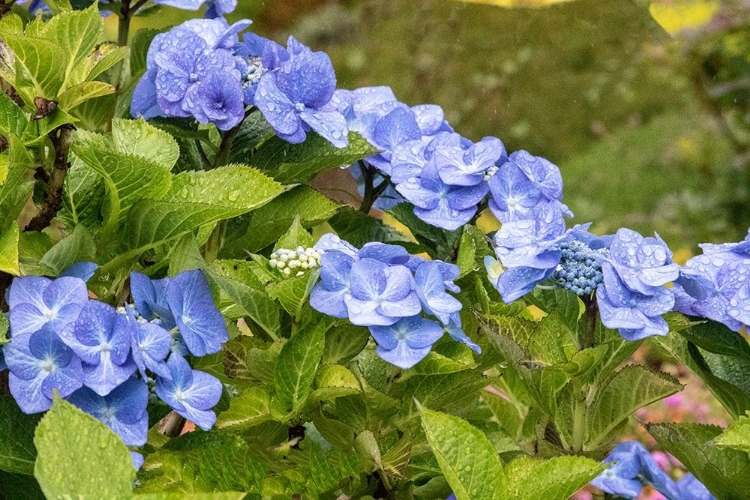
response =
{"points": [[677, 15]]}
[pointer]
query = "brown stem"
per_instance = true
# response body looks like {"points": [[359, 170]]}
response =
{"points": [[172, 425], [592, 314], [53, 196]]}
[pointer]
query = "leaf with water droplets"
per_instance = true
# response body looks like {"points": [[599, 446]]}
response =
{"points": [[80, 457]]}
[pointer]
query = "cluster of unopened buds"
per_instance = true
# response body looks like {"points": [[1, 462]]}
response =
{"points": [[296, 261]]}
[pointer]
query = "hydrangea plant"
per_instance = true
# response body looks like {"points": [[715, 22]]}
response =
{"points": [[184, 316]]}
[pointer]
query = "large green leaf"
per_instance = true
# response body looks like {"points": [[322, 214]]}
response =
{"points": [[248, 409], [466, 457], [554, 479], [293, 293], [270, 221], [737, 436], [298, 163], [83, 195], [12, 119], [79, 246], [631, 388], [76, 33], [358, 228], [82, 92], [42, 62], [127, 177], [141, 139], [245, 290], [80, 457], [13, 196], [9, 250], [296, 366], [724, 471], [17, 452], [202, 462]]}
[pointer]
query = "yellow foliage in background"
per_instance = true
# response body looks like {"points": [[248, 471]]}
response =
{"points": [[677, 15]]}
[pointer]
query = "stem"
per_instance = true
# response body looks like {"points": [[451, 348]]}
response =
{"points": [[228, 138], [172, 425], [61, 138], [592, 314], [123, 25]]}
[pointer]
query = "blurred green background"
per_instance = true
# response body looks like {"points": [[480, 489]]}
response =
{"points": [[644, 105]]}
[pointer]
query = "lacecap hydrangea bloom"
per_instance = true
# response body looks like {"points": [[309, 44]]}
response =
{"points": [[388, 290], [100, 358]]}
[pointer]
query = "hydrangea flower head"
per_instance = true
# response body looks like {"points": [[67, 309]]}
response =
{"points": [[466, 167], [294, 97], [621, 478], [40, 362], [190, 393], [36, 302], [217, 98], [150, 345], [439, 204], [430, 283], [364, 107], [406, 342], [580, 268], [395, 128], [102, 338], [513, 194], [200, 322], [123, 410], [642, 263], [380, 294], [328, 294]]}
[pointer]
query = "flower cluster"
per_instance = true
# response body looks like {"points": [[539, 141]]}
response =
{"points": [[102, 359], [200, 69], [295, 261], [635, 467], [386, 289]]}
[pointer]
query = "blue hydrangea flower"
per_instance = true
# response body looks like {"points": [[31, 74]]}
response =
{"points": [[255, 56], [380, 294], [513, 194], [621, 478], [410, 157], [364, 107], [642, 263], [150, 298], [634, 314], [467, 167], [219, 8], [190, 393], [217, 98], [430, 278], [716, 285], [36, 302], [691, 489], [392, 130], [151, 344], [294, 97], [328, 294], [123, 410], [406, 342], [200, 322], [431, 119], [387, 254], [330, 241], [137, 459], [456, 332], [580, 268], [40, 362], [82, 270], [101, 338], [437, 203], [543, 173]]}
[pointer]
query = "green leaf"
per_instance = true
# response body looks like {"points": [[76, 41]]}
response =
{"points": [[17, 452], [254, 130], [19, 486], [42, 62], [185, 255], [231, 186], [724, 471], [190, 496], [202, 462], [79, 246], [554, 479], [236, 279], [631, 388], [76, 33], [358, 228], [334, 381], [12, 119], [9, 250], [138, 50], [108, 55], [83, 195], [716, 338], [465, 455], [295, 237], [292, 293], [84, 91], [78, 456], [299, 163], [4, 329], [270, 221], [127, 177], [139, 138], [14, 194], [296, 367], [249, 408], [472, 249], [58, 6], [343, 343], [737, 436]]}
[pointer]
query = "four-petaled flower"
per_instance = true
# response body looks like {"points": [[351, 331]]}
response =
{"points": [[190, 393], [406, 342], [36, 302]]}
